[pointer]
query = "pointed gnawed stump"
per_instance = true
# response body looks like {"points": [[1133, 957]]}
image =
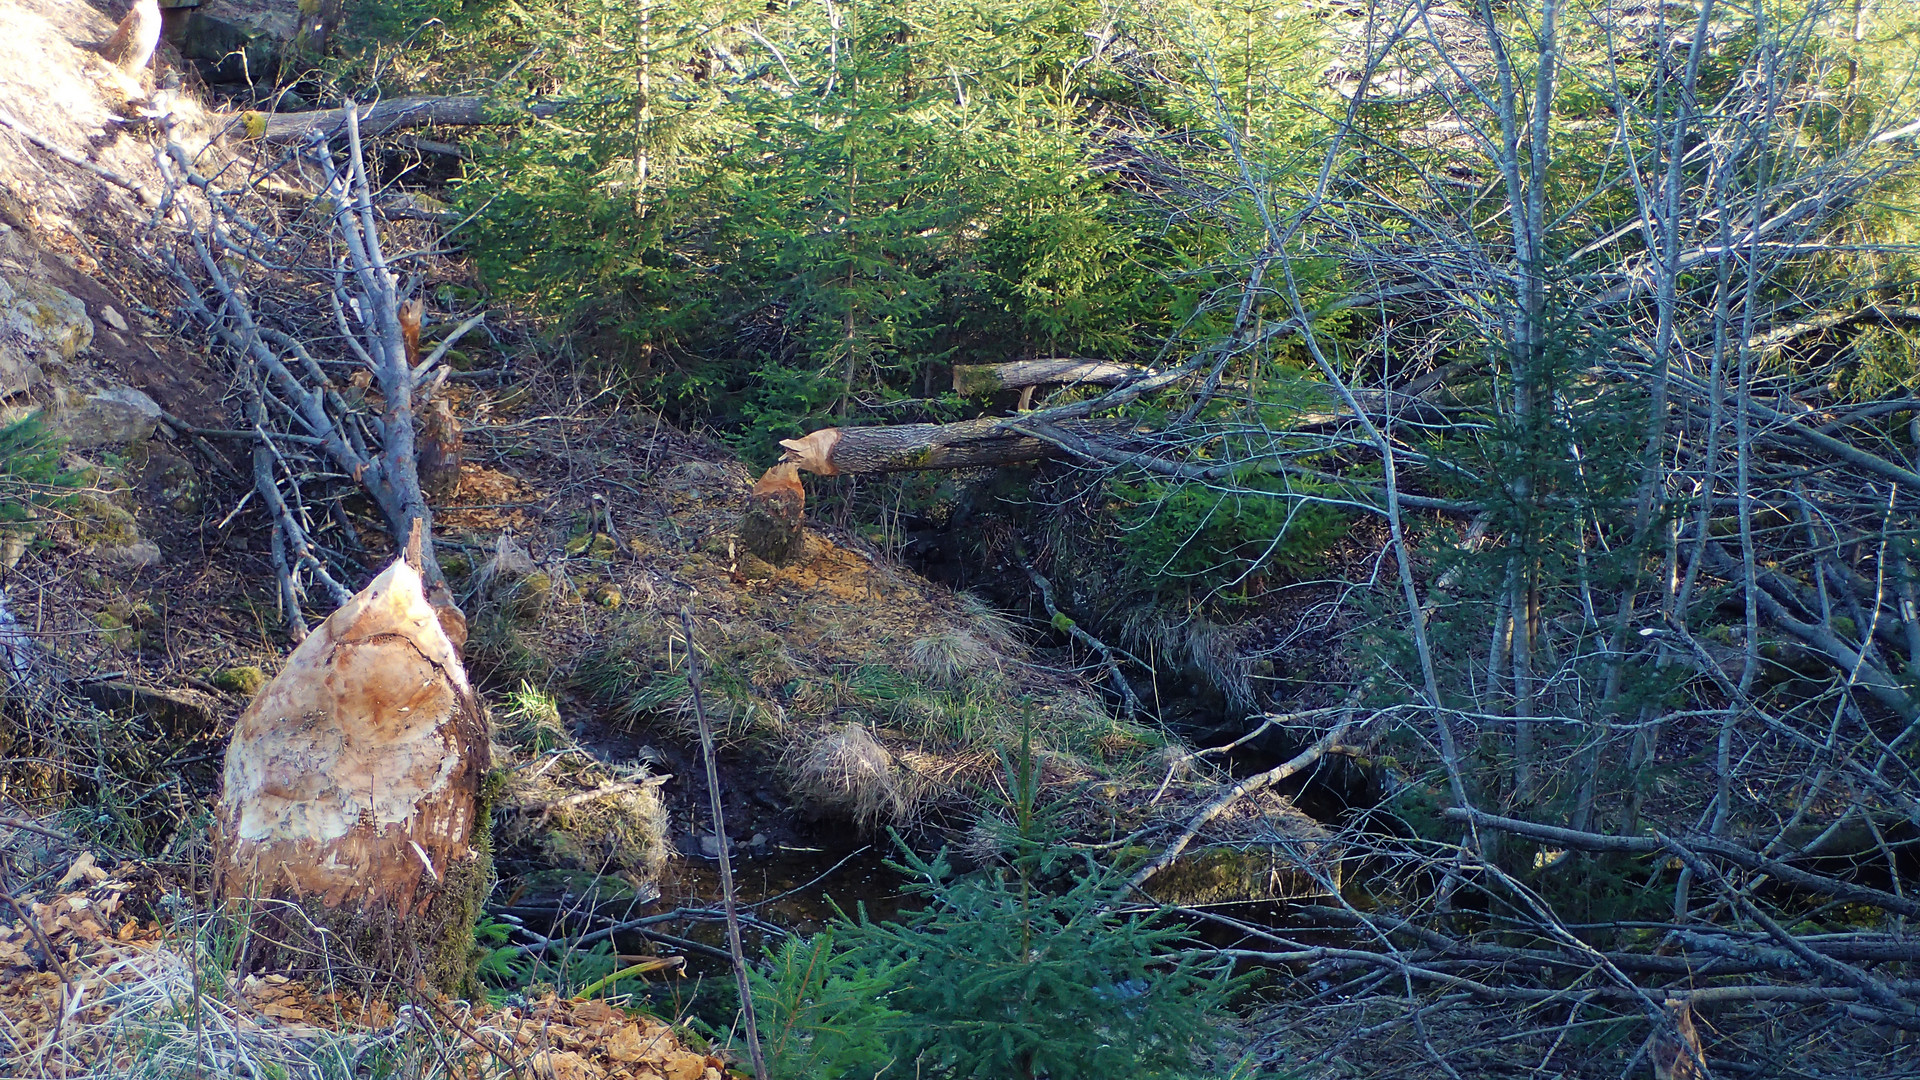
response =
{"points": [[772, 527], [346, 832]]}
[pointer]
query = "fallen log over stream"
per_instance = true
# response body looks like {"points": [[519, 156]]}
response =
{"points": [[398, 113], [988, 441]]}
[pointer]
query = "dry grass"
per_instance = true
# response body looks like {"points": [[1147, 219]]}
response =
{"points": [[948, 658], [136, 999], [849, 771]]}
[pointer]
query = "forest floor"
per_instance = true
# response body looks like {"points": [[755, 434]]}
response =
{"points": [[851, 694]]}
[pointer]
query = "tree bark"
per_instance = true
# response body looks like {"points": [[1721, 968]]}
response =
{"points": [[908, 447], [399, 113], [351, 798], [771, 528], [971, 380]]}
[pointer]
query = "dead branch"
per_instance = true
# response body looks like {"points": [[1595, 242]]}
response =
{"points": [[728, 895], [1292, 766], [1060, 621], [971, 380], [299, 419]]}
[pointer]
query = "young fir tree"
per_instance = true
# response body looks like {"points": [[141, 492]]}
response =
{"points": [[1032, 968]]}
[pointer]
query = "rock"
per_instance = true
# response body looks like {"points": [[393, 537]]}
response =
{"points": [[246, 680], [119, 417], [18, 372], [243, 48], [112, 318], [44, 317], [38, 322], [139, 554]]}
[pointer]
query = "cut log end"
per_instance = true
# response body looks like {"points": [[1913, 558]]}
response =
{"points": [[772, 527], [813, 453]]}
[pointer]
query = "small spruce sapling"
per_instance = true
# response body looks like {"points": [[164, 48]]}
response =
{"points": [[1004, 973]]}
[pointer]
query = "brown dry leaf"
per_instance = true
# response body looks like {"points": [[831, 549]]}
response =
{"points": [[686, 1066], [639, 1043], [82, 868], [594, 1012], [565, 1065], [282, 1011]]}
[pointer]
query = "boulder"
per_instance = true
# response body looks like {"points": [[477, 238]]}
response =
{"points": [[38, 322], [138, 555], [119, 417]]}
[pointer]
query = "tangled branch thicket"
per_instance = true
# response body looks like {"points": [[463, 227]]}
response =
{"points": [[331, 404], [1627, 386]]}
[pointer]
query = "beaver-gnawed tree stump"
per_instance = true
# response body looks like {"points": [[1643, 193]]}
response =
{"points": [[346, 831], [772, 527]]}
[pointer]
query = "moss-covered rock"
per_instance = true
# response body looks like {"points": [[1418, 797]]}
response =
{"points": [[245, 680]]}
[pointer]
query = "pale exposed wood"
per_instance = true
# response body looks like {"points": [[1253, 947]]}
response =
{"points": [[970, 380], [386, 116], [133, 41], [353, 779], [908, 447]]}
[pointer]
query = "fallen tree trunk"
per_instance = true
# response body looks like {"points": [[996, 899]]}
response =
{"points": [[394, 115], [907, 447], [972, 380], [1005, 440]]}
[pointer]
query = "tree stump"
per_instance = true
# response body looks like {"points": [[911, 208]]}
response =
{"points": [[350, 829], [438, 451], [772, 527]]}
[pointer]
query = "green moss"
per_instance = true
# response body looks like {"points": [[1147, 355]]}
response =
{"points": [[245, 680]]}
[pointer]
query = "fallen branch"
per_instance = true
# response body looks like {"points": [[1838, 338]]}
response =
{"points": [[78, 162], [707, 752], [1745, 858], [1251, 784], [971, 380], [1061, 621], [385, 116]]}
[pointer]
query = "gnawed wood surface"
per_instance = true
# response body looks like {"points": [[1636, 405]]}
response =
{"points": [[771, 527], [353, 779]]}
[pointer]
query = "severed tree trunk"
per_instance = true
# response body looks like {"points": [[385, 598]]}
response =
{"points": [[771, 528], [351, 832], [351, 803], [907, 447]]}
